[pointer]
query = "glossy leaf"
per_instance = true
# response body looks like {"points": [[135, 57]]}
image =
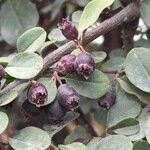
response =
{"points": [[98, 56]]}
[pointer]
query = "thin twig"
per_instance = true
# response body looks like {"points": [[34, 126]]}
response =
{"points": [[128, 14]]}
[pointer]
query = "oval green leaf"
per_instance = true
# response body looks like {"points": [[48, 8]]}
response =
{"points": [[137, 68], [8, 97], [3, 121], [95, 87], [141, 145], [126, 107], [24, 15], [73, 146], [114, 142], [91, 13], [51, 87], [25, 66], [30, 138], [98, 56], [31, 40]]}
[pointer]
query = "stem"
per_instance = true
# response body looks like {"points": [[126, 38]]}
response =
{"points": [[128, 14]]}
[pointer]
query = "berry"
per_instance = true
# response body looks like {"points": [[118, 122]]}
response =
{"points": [[55, 112], [68, 29], [84, 64], [68, 97], [37, 94], [2, 72], [108, 100], [66, 64], [30, 109]]}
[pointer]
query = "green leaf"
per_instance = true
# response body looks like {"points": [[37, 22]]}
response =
{"points": [[129, 130], [93, 144], [45, 46], [77, 133], [31, 40], [73, 146], [24, 66], [142, 118], [114, 142], [137, 68], [6, 60], [114, 62], [53, 129], [147, 130], [23, 16], [141, 145], [125, 107], [91, 13], [3, 121], [8, 97], [30, 138], [95, 87], [56, 35], [76, 16], [51, 87], [98, 56], [125, 84], [145, 12], [117, 53]]}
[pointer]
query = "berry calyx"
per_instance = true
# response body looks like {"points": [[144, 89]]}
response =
{"points": [[66, 64], [68, 97], [37, 94], [68, 29], [84, 64], [2, 72], [55, 112]]}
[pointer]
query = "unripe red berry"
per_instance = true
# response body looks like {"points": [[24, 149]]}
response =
{"points": [[66, 64], [68, 29], [84, 64], [37, 94], [108, 100], [55, 112], [2, 72], [68, 97]]}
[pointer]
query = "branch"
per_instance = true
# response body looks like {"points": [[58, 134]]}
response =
{"points": [[128, 14]]}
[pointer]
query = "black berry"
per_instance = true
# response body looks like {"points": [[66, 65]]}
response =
{"points": [[55, 112], [2, 72], [66, 64], [37, 94], [30, 109], [84, 64], [108, 100], [68, 97], [68, 29]]}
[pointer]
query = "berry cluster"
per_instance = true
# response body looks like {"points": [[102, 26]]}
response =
{"points": [[67, 98]]}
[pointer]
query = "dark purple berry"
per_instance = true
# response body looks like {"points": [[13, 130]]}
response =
{"points": [[55, 112], [84, 64], [30, 109], [37, 94], [2, 72], [108, 100], [66, 64], [68, 29], [68, 97]]}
